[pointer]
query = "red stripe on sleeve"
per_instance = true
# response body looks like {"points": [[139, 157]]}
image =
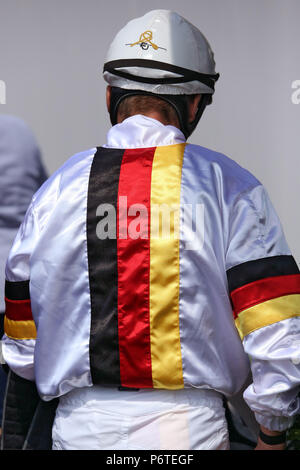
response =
{"points": [[265, 289], [18, 309], [133, 267]]}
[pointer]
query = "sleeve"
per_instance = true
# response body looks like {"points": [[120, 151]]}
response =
{"points": [[264, 285], [19, 337]]}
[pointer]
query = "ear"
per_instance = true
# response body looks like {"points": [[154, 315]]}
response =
{"points": [[108, 95], [193, 106]]}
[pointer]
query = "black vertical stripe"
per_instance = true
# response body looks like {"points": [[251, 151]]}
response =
{"points": [[103, 274]]}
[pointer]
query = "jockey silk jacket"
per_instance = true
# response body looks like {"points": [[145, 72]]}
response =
{"points": [[150, 262]]}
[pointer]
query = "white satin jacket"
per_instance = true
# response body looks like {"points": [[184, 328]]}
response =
{"points": [[189, 311]]}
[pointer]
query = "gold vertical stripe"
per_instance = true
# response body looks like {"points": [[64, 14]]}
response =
{"points": [[164, 268], [267, 313]]}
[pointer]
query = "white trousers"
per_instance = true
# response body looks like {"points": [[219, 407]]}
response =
{"points": [[97, 418]]}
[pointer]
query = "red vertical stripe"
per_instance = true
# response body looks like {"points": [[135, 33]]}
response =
{"points": [[133, 268]]}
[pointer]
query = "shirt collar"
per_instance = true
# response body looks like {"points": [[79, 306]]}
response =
{"points": [[140, 131]]}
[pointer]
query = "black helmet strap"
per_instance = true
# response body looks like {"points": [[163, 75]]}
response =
{"points": [[116, 67]]}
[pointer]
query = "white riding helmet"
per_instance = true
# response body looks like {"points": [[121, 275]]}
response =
{"points": [[161, 53]]}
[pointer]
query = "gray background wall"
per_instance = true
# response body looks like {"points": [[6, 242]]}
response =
{"points": [[51, 55]]}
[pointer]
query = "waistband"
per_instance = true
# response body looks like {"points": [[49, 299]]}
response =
{"points": [[138, 402]]}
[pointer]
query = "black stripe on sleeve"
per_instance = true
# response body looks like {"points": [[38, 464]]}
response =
{"points": [[18, 290], [103, 274], [254, 270]]}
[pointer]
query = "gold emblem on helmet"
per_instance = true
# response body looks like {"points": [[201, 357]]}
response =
{"points": [[145, 41]]}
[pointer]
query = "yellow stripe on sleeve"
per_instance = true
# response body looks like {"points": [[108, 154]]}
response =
{"points": [[267, 313], [19, 329]]}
